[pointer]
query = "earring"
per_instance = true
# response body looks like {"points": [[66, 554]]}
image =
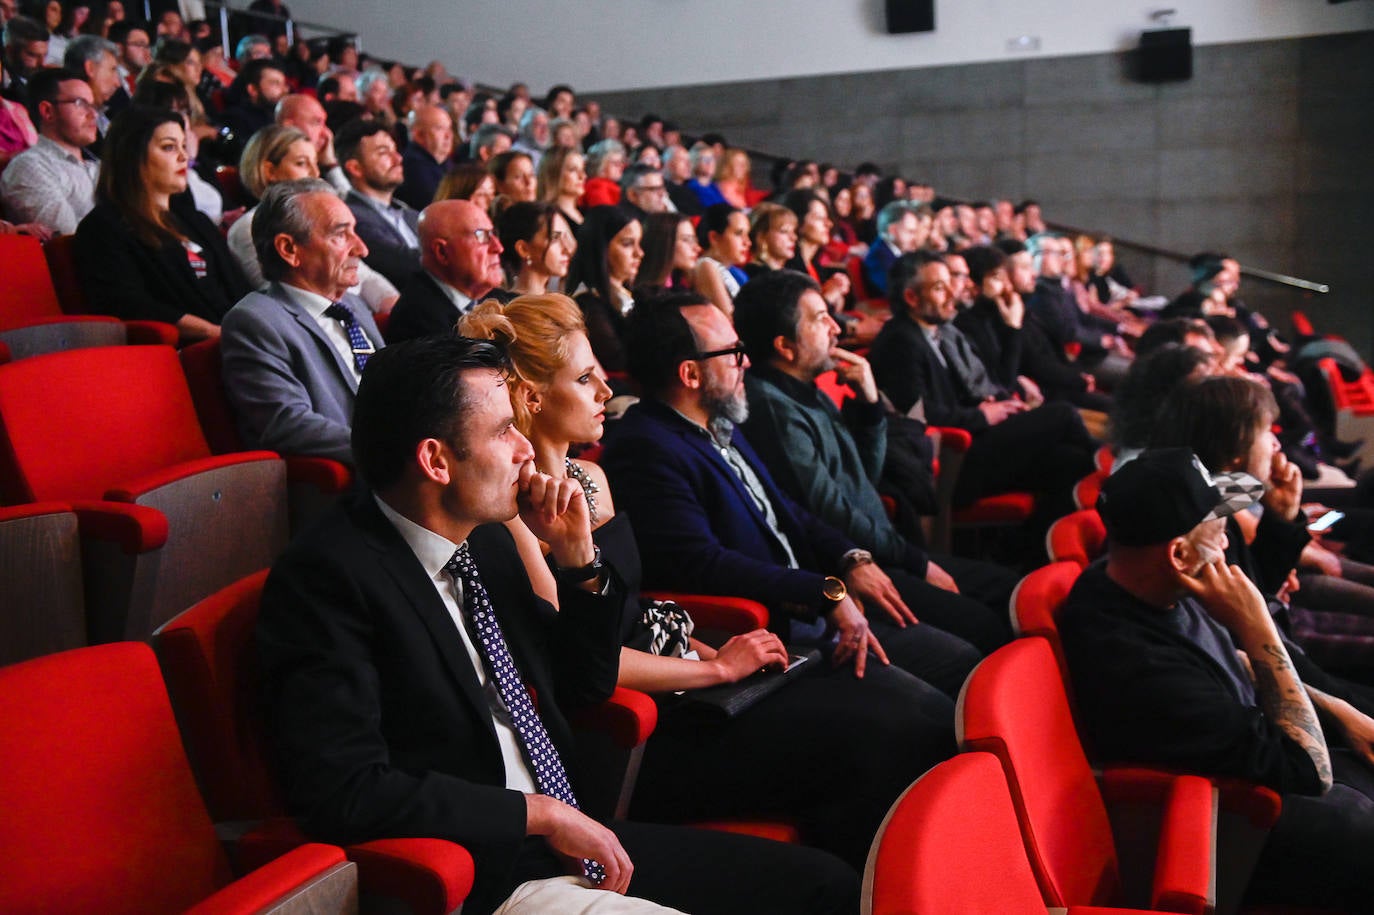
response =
{"points": [[528, 261], [535, 408]]}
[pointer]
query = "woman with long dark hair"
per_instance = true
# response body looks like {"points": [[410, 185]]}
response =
{"points": [[145, 251], [537, 246], [602, 273]]}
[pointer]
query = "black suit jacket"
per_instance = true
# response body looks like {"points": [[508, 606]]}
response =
{"points": [[424, 309], [907, 370], [387, 252], [377, 720]]}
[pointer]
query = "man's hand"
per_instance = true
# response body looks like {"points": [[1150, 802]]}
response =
{"points": [[854, 370], [573, 834], [855, 639], [835, 289], [1284, 495], [1357, 727], [36, 229], [1012, 309], [749, 653], [1030, 391], [940, 578], [556, 511], [870, 583], [1230, 597], [1315, 556], [995, 411]]}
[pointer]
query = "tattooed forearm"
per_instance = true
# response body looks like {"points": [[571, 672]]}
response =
{"points": [[1286, 703]]}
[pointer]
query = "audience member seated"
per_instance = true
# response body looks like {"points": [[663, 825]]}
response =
{"points": [[97, 60], [677, 171], [426, 158], [294, 352], [1153, 376], [538, 246], [387, 226], [489, 141], [724, 236], [671, 250], [813, 234], [17, 132], [460, 265], [275, 154], [1176, 661], [53, 183], [927, 369], [899, 232], [852, 745], [257, 89], [994, 322], [606, 162], [532, 134], [602, 273], [643, 190], [1052, 305], [471, 182], [26, 50], [145, 252], [306, 114], [513, 172], [413, 594], [563, 181], [172, 95], [772, 238], [830, 462], [732, 178], [709, 518]]}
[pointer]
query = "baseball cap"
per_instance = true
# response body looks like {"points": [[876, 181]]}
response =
{"points": [[1166, 492]]}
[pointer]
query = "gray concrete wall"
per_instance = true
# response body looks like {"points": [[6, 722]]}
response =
{"points": [[1265, 152]]}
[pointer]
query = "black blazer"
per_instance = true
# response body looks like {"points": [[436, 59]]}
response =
{"points": [[126, 278], [424, 309], [907, 370], [378, 724], [387, 251]]}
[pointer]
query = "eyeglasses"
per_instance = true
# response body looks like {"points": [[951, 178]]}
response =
{"points": [[485, 236], [737, 351], [80, 104]]}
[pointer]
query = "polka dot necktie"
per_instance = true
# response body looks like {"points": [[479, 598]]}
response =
{"points": [[357, 340], [539, 749]]}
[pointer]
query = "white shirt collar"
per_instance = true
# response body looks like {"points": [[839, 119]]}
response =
{"points": [[433, 550], [314, 303]]}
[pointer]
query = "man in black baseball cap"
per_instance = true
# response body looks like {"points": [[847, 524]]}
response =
{"points": [[1176, 661]]}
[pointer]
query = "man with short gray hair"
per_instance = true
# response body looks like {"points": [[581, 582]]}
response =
{"points": [[643, 191], [294, 352], [97, 60]]}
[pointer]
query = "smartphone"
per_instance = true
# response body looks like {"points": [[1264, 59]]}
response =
{"points": [[1325, 521]]}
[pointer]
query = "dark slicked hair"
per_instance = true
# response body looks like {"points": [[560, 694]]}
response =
{"points": [[413, 391], [44, 86], [982, 260], [903, 273], [767, 307], [349, 138], [658, 339]]}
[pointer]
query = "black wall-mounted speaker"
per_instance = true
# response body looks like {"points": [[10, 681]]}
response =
{"points": [[905, 16], [1165, 55]]}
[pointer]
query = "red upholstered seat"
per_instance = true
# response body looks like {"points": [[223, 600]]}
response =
{"points": [[312, 482], [951, 845], [31, 318], [1014, 706], [116, 425], [101, 812], [1086, 490], [210, 664], [1002, 509], [1078, 537]]}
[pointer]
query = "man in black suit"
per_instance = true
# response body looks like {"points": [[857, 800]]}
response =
{"points": [[367, 154], [401, 639], [928, 368], [460, 261]]}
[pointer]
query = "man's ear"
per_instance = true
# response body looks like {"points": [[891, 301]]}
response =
{"points": [[434, 461], [287, 249], [353, 169], [911, 297], [689, 374], [1181, 555], [785, 348]]}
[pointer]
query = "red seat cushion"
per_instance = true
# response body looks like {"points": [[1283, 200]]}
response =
{"points": [[1004, 508]]}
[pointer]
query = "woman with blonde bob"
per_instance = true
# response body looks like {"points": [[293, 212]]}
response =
{"points": [[821, 729]]}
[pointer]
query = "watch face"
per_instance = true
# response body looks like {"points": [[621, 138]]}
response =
{"points": [[834, 589]]}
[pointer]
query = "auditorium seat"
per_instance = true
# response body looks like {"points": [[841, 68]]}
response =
{"points": [[951, 845], [313, 483], [112, 431], [1001, 510], [101, 812], [43, 610], [1078, 537], [31, 318]]}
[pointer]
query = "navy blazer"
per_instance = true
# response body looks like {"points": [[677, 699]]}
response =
{"points": [[696, 525], [387, 252], [877, 263]]}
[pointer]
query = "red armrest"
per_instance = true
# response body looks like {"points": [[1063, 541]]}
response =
{"points": [[140, 486], [136, 528], [151, 332], [954, 438], [429, 875], [628, 717], [268, 884], [328, 475], [32, 510], [714, 611], [1184, 865]]}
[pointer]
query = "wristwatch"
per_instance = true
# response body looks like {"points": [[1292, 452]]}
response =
{"points": [[576, 576], [833, 589]]}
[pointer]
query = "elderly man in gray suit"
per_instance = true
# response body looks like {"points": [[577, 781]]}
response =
{"points": [[294, 353]]}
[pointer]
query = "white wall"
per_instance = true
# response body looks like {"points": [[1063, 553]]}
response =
{"points": [[622, 44]]}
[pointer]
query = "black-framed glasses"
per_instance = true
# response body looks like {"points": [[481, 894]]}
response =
{"points": [[737, 351]]}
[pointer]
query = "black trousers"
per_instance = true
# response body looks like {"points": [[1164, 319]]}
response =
{"points": [[1046, 451], [978, 614], [828, 752]]}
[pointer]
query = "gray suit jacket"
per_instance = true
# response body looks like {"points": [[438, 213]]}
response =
{"points": [[291, 390], [387, 251]]}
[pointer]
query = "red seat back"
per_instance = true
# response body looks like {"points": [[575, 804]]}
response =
{"points": [[832, 387], [27, 292], [1078, 537], [76, 423], [1014, 706], [202, 364], [951, 845], [101, 813], [61, 257], [211, 668]]}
